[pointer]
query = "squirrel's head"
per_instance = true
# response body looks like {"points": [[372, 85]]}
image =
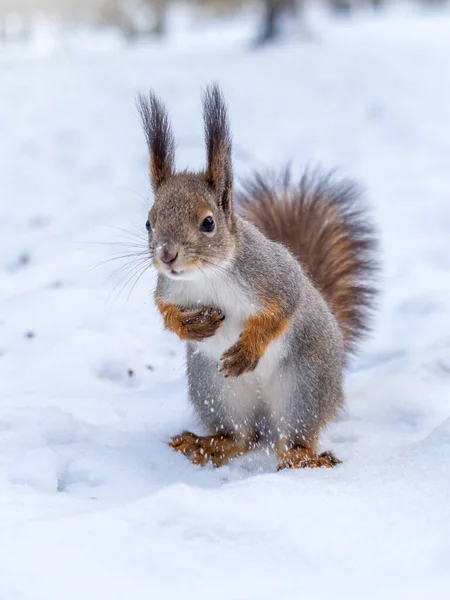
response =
{"points": [[192, 223]]}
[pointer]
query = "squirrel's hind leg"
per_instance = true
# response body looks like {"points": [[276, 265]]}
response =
{"points": [[215, 449]]}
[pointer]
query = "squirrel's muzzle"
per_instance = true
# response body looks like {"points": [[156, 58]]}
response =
{"points": [[167, 254]]}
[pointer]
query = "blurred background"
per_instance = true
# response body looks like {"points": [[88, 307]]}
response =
{"points": [[91, 387], [22, 19]]}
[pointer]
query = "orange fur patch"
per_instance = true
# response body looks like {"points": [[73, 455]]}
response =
{"points": [[172, 316]]}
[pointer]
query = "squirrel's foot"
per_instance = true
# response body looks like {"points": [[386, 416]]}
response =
{"points": [[216, 449], [238, 359], [301, 458], [197, 325], [191, 324]]}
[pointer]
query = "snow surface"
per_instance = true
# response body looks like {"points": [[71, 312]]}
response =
{"points": [[93, 503]]}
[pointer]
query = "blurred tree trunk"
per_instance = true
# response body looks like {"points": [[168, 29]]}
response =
{"points": [[121, 14], [160, 13], [112, 13], [342, 6], [273, 12]]}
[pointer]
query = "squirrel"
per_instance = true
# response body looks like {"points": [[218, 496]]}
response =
{"points": [[270, 287]]}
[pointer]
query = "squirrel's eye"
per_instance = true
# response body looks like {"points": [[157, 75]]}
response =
{"points": [[208, 225], [148, 226]]}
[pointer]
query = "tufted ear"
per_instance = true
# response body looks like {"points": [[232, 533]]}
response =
{"points": [[219, 170], [160, 140]]}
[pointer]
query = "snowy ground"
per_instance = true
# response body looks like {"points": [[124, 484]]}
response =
{"points": [[93, 504]]}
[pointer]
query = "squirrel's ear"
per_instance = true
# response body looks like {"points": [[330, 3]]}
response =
{"points": [[219, 171], [160, 140]]}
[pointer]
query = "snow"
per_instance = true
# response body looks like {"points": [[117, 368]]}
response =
{"points": [[93, 503]]}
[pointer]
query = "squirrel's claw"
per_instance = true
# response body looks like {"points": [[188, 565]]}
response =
{"points": [[238, 360], [214, 449], [301, 458]]}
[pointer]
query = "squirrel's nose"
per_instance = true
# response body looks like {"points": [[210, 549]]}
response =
{"points": [[169, 256]]}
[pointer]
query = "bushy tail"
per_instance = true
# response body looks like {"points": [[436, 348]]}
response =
{"points": [[322, 222]]}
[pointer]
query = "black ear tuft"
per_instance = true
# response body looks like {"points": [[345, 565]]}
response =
{"points": [[160, 140], [219, 171]]}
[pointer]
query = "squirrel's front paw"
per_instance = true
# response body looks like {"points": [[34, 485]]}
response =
{"points": [[239, 359], [197, 325]]}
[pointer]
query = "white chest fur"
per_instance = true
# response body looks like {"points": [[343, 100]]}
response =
{"points": [[218, 291]]}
